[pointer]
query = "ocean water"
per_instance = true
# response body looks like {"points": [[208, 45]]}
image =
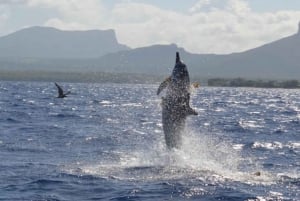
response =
{"points": [[105, 142]]}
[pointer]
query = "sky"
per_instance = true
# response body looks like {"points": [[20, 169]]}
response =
{"points": [[199, 26]]}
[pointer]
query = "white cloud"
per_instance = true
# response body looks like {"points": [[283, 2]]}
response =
{"points": [[199, 5], [60, 24], [229, 29], [238, 7], [222, 27], [4, 15], [12, 1], [73, 13]]}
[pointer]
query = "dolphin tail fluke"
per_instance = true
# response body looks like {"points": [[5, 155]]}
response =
{"points": [[163, 85]]}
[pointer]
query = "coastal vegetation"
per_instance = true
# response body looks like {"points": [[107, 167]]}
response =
{"points": [[106, 77], [89, 77], [240, 82]]}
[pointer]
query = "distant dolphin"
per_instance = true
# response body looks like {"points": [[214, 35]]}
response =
{"points": [[175, 105], [61, 93]]}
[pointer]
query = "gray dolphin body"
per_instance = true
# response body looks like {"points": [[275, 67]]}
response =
{"points": [[176, 104]]}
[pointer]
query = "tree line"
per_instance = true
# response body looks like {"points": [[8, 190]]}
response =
{"points": [[240, 82]]}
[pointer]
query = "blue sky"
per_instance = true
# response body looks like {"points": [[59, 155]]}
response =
{"points": [[199, 26], [274, 5]]}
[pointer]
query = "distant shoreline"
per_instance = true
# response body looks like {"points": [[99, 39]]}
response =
{"points": [[259, 83], [88, 77], [131, 78]]}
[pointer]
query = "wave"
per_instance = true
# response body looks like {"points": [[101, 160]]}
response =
{"points": [[275, 145], [24, 149]]}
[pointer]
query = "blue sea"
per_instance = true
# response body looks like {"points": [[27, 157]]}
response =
{"points": [[105, 142]]}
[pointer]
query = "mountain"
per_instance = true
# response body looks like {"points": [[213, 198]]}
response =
{"points": [[147, 60], [279, 59], [48, 49], [46, 42], [276, 60]]}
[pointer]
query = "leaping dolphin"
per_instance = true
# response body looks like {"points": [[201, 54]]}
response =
{"points": [[176, 104], [61, 93]]}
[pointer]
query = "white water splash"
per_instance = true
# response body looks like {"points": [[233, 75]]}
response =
{"points": [[201, 157]]}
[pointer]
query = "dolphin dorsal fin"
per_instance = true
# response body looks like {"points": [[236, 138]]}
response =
{"points": [[177, 57]]}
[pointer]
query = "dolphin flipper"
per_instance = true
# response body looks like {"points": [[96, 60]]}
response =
{"points": [[163, 85], [191, 111], [188, 109]]}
